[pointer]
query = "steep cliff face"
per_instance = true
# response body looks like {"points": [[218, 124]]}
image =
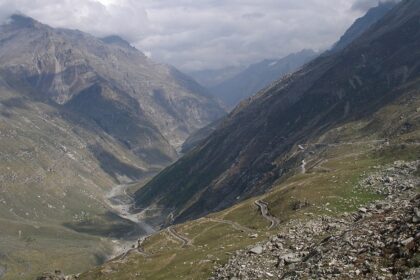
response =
{"points": [[255, 145]]}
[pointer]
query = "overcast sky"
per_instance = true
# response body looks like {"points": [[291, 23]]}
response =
{"points": [[203, 34]]}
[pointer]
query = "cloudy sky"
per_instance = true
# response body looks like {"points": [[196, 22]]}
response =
{"points": [[203, 34]]}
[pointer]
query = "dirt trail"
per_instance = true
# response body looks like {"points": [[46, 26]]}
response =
{"points": [[263, 206], [185, 241]]}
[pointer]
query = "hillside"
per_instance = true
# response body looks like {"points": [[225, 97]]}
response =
{"points": [[81, 118], [357, 190], [257, 143]]}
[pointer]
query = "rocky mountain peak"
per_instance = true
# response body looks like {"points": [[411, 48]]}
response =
{"points": [[116, 40], [22, 21]]}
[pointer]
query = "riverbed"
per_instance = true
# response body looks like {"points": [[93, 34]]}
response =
{"points": [[122, 204]]}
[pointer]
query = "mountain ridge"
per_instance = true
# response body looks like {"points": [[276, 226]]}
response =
{"points": [[253, 142]]}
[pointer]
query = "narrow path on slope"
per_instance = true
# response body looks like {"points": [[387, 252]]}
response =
{"points": [[263, 206], [233, 224], [185, 241]]}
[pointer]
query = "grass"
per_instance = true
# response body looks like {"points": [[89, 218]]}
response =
{"points": [[331, 193], [329, 187]]}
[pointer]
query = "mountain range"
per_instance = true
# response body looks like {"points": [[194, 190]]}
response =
{"points": [[293, 170], [316, 176]]}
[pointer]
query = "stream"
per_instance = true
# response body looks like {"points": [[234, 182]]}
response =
{"points": [[121, 203]]}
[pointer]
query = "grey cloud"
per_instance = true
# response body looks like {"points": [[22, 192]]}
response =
{"points": [[364, 5], [193, 34], [125, 17]]}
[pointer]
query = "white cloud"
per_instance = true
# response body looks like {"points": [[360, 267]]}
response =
{"points": [[196, 34]]}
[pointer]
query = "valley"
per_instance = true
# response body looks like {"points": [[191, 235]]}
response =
{"points": [[114, 166]]}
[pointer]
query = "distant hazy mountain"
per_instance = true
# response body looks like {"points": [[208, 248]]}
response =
{"points": [[258, 76], [211, 78], [364, 23]]}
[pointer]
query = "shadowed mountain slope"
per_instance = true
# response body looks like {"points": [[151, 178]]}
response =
{"points": [[253, 147]]}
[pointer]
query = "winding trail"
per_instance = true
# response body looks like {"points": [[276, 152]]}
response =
{"points": [[233, 224], [185, 241], [138, 248], [263, 206]]}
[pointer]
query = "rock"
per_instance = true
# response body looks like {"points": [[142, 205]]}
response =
{"points": [[256, 250], [255, 235], [349, 246], [407, 241], [290, 258], [363, 210]]}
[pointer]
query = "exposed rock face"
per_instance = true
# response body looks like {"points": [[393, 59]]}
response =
{"points": [[255, 145], [380, 242]]}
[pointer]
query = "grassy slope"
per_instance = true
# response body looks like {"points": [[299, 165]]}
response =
{"points": [[330, 186], [50, 179]]}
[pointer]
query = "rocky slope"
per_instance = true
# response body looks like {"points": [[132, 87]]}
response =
{"points": [[258, 76], [256, 144], [380, 240]]}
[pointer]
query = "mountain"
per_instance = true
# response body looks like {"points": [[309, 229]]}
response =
{"points": [[80, 119], [345, 204], [210, 78], [258, 76], [72, 68], [258, 143], [364, 23]]}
